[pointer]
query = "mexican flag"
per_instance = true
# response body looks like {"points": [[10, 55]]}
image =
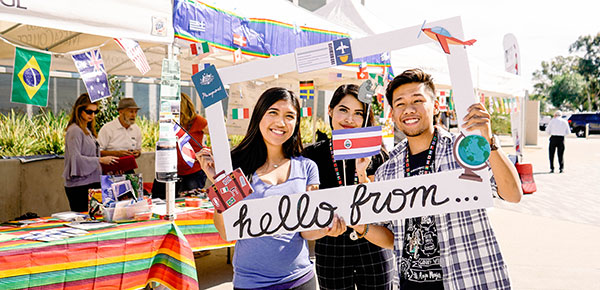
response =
{"points": [[30, 77]]}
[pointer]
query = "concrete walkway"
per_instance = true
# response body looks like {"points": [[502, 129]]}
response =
{"points": [[550, 240]]}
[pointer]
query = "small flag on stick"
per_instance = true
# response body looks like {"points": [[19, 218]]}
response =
{"points": [[356, 143], [185, 148]]}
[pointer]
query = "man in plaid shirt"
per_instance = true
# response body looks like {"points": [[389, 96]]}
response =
{"points": [[451, 251]]}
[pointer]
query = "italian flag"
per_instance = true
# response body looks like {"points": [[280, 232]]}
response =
{"points": [[306, 112], [241, 113]]}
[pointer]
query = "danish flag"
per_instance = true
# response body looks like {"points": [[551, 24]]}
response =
{"points": [[239, 40]]}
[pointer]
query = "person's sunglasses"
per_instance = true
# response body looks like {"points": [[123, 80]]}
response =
{"points": [[89, 112]]}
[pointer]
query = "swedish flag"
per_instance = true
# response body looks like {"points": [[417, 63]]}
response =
{"points": [[30, 77], [307, 89]]}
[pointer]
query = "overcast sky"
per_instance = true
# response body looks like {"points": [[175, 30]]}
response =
{"points": [[544, 29]]}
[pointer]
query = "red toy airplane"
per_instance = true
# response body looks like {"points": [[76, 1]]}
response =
{"points": [[444, 37]]}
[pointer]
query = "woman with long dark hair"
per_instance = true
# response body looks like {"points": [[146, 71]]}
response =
{"points": [[349, 261], [270, 155], [82, 154]]}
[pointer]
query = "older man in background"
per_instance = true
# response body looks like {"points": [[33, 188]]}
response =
{"points": [[558, 128], [121, 136]]}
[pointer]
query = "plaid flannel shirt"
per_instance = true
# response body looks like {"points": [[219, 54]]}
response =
{"points": [[469, 253]]}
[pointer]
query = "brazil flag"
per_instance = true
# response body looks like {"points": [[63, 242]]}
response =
{"points": [[30, 77]]}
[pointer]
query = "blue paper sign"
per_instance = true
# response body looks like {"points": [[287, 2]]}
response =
{"points": [[342, 51], [209, 86]]}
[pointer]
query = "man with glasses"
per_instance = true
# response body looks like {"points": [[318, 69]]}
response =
{"points": [[121, 136]]}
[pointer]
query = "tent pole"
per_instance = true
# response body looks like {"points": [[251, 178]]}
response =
{"points": [[62, 41], [11, 28], [314, 116], [170, 185]]}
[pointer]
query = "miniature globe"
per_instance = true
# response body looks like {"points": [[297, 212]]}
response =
{"points": [[473, 150]]}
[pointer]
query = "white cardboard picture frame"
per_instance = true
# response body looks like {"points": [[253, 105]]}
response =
{"points": [[264, 212]]}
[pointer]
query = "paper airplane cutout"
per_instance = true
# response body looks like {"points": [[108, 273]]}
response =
{"points": [[444, 37]]}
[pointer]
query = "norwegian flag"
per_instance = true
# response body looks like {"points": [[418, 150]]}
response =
{"points": [[135, 53], [183, 140], [239, 40], [356, 142]]}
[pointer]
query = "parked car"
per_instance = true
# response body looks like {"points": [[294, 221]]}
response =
{"points": [[578, 122], [544, 120]]}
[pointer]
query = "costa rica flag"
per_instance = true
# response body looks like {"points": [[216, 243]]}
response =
{"points": [[356, 142]]}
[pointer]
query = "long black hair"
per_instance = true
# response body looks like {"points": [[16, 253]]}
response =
{"points": [[251, 153], [352, 90]]}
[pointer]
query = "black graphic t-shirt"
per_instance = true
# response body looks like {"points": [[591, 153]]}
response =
{"points": [[420, 265]]}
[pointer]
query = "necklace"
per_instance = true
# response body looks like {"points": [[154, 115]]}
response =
{"points": [[337, 171], [429, 160], [280, 163], [415, 239]]}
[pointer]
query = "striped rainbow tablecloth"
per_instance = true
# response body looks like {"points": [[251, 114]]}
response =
{"points": [[124, 257]]}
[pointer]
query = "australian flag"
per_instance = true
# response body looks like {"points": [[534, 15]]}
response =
{"points": [[92, 71]]}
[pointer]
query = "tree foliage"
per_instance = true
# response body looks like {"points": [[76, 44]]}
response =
{"points": [[573, 81], [588, 66], [108, 106], [567, 91]]}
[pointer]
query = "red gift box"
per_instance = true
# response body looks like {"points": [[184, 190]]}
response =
{"points": [[125, 164], [229, 190]]}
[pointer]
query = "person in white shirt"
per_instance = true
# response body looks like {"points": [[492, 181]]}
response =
{"points": [[121, 136], [558, 128]]}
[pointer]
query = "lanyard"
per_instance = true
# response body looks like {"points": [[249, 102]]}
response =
{"points": [[429, 160], [335, 167]]}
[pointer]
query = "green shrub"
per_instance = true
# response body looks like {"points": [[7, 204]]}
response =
{"points": [[16, 135], [51, 132], [500, 123], [149, 133]]}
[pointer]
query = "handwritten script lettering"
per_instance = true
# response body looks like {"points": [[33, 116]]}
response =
{"points": [[245, 223], [393, 197], [358, 204], [211, 94]]}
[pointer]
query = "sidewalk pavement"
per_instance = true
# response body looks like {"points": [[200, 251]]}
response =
{"points": [[549, 240]]}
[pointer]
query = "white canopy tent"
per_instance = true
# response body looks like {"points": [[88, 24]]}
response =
{"points": [[65, 26], [428, 57]]}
